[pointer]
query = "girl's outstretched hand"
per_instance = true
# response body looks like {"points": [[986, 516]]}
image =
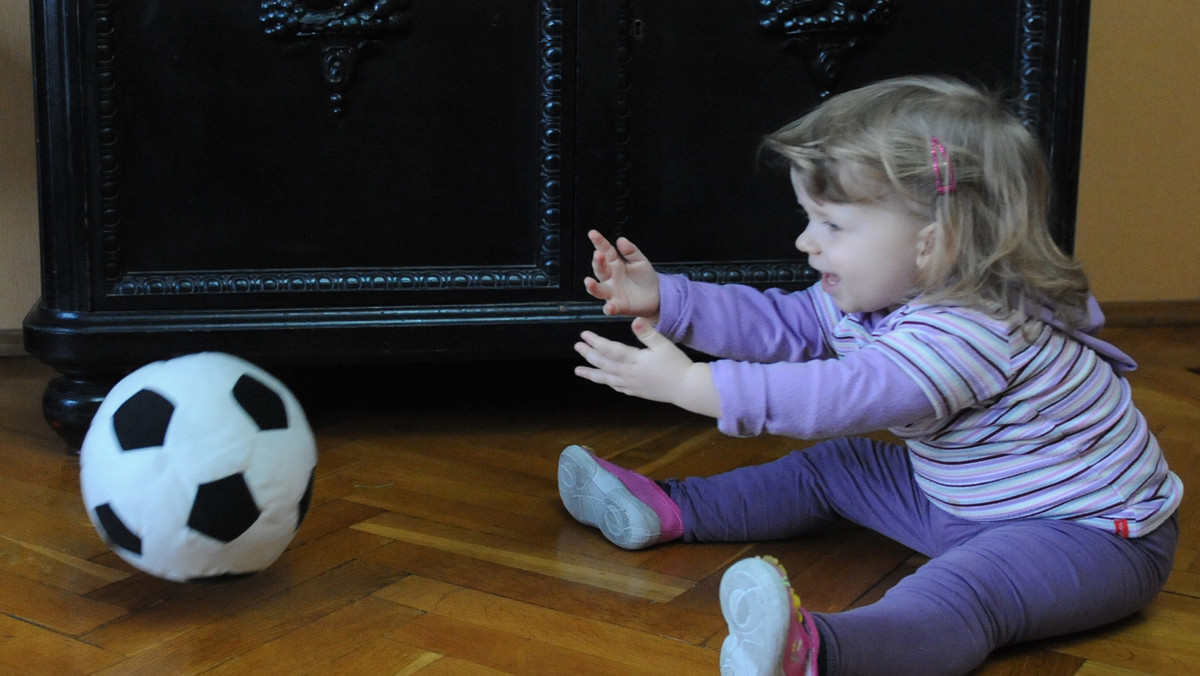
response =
{"points": [[660, 371], [624, 279]]}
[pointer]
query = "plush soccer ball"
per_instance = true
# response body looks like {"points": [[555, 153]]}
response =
{"points": [[198, 467]]}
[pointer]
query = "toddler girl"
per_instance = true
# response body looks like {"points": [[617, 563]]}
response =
{"points": [[944, 314]]}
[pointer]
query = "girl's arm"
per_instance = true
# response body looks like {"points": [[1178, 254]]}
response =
{"points": [[862, 392], [734, 321], [820, 399]]}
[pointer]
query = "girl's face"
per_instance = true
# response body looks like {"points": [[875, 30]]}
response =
{"points": [[868, 254]]}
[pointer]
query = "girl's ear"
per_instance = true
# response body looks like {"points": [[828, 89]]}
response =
{"points": [[929, 240]]}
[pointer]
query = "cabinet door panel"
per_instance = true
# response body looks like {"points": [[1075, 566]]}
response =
{"points": [[256, 153]]}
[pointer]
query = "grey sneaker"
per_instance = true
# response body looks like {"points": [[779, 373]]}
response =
{"points": [[592, 493], [769, 632]]}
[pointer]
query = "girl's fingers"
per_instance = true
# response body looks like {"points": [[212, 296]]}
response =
{"points": [[627, 249], [647, 334], [599, 264], [606, 355]]}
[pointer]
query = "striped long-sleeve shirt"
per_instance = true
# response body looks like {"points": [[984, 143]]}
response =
{"points": [[1003, 418]]}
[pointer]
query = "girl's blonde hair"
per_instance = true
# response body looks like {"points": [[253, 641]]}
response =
{"points": [[991, 244]]}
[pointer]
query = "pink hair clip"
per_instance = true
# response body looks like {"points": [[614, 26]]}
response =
{"points": [[940, 157]]}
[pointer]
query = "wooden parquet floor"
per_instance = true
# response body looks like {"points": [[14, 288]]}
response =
{"points": [[436, 543]]}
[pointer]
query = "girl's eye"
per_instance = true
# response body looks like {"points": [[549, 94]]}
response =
{"points": [[833, 227]]}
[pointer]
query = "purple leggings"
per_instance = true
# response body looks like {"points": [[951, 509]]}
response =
{"points": [[988, 584]]}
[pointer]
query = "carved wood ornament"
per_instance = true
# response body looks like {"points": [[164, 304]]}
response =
{"points": [[822, 32], [340, 34]]}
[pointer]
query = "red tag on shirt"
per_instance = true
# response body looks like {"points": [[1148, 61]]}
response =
{"points": [[1122, 526]]}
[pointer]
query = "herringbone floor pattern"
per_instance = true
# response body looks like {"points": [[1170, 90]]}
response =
{"points": [[436, 543]]}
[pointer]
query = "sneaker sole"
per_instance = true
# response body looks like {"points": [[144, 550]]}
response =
{"points": [[595, 497], [757, 607]]}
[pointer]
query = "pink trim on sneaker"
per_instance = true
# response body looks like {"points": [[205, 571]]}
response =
{"points": [[803, 640], [648, 491]]}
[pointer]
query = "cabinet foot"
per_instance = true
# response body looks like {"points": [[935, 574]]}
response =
{"points": [[69, 404]]}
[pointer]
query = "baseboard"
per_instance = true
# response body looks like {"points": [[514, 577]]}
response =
{"points": [[12, 344], [1152, 313]]}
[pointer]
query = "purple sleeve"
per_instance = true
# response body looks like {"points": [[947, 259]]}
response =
{"points": [[861, 392], [734, 321]]}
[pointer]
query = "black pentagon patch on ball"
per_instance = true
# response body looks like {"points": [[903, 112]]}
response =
{"points": [[261, 403], [116, 531], [223, 509], [141, 422]]}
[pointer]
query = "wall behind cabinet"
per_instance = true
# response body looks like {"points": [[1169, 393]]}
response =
{"points": [[19, 269], [1139, 207]]}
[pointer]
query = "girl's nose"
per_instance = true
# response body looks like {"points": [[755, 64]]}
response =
{"points": [[805, 243]]}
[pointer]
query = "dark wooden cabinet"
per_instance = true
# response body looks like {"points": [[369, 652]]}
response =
{"points": [[348, 181]]}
